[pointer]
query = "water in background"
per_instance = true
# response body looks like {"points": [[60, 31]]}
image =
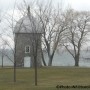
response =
{"points": [[60, 59]]}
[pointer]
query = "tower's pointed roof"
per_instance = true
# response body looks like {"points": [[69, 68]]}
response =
{"points": [[28, 24]]}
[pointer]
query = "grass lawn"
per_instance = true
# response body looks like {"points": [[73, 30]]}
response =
{"points": [[48, 78]]}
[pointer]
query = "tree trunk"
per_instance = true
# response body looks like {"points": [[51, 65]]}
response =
{"points": [[2, 60], [50, 61], [77, 61], [15, 71], [15, 64], [35, 63], [43, 60], [51, 58]]}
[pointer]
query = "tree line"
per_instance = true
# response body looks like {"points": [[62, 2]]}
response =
{"points": [[61, 28]]}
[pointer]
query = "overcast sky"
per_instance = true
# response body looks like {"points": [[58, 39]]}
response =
{"points": [[75, 4], [7, 5]]}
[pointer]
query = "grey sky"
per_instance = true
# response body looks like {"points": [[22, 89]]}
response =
{"points": [[80, 4], [76, 4], [7, 5]]}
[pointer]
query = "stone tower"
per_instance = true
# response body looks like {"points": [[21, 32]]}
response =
{"points": [[28, 34]]}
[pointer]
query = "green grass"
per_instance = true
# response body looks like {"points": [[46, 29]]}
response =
{"points": [[48, 78]]}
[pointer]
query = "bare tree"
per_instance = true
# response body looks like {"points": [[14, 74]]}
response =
{"points": [[78, 27], [36, 41], [4, 42], [9, 23], [2, 49], [53, 24]]}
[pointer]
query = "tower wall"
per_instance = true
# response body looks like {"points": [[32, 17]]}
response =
{"points": [[24, 39]]}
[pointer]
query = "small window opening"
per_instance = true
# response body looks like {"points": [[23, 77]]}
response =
{"points": [[27, 49]]}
